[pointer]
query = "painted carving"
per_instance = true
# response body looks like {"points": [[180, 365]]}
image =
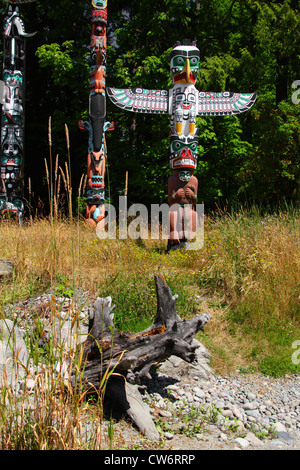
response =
{"points": [[184, 103], [12, 116], [97, 124]]}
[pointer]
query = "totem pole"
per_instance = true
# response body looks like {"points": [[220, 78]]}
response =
{"points": [[184, 102], [12, 116], [97, 124]]}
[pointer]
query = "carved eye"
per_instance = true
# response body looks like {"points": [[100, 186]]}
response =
{"points": [[194, 61], [176, 146], [180, 97]]}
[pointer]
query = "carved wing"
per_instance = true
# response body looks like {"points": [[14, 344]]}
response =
{"points": [[220, 104], [140, 100]]}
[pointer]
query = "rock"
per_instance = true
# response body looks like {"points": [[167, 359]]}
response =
{"points": [[67, 335], [285, 436], [227, 413], [242, 442], [198, 392], [169, 435], [30, 385], [249, 406], [176, 367], [253, 439], [6, 268], [165, 413], [268, 403], [251, 396], [253, 413], [279, 427], [240, 428], [13, 353], [237, 412]]}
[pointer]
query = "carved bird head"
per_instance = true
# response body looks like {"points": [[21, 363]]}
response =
{"points": [[185, 59]]}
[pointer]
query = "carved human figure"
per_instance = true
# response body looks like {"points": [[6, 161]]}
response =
{"points": [[182, 198]]}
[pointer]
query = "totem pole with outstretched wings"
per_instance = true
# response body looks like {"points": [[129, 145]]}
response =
{"points": [[184, 103], [12, 116]]}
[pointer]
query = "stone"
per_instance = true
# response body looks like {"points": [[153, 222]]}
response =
{"points": [[13, 352], [285, 436], [242, 442], [30, 385], [198, 392], [251, 396], [279, 427], [240, 428], [268, 403], [6, 268], [177, 367], [253, 413], [253, 439], [227, 413], [237, 412], [165, 413], [249, 406]]}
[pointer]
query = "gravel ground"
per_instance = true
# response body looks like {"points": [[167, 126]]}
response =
{"points": [[194, 414]]}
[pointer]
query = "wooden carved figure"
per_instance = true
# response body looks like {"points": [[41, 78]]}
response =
{"points": [[184, 103], [97, 125], [12, 116]]}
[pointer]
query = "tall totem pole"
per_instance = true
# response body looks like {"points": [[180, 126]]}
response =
{"points": [[97, 124], [184, 103], [12, 116]]}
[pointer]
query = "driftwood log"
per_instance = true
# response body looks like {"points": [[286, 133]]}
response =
{"points": [[116, 361], [133, 354]]}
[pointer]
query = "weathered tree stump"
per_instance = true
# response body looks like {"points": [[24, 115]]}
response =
{"points": [[133, 354], [120, 359]]}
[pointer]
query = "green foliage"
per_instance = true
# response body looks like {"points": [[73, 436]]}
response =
{"points": [[64, 287], [245, 46], [57, 58]]}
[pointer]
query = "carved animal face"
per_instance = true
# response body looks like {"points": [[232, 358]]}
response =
{"points": [[184, 64], [183, 152]]}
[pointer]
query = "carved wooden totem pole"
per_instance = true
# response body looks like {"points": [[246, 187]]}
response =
{"points": [[12, 116], [184, 102], [97, 125]]}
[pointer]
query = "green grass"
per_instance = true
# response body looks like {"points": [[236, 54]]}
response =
{"points": [[246, 276]]}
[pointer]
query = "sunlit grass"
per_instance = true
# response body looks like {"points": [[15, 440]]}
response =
{"points": [[248, 268]]}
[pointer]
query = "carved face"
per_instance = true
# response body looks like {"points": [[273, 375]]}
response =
{"points": [[184, 64], [183, 152], [185, 176], [99, 3], [185, 98]]}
